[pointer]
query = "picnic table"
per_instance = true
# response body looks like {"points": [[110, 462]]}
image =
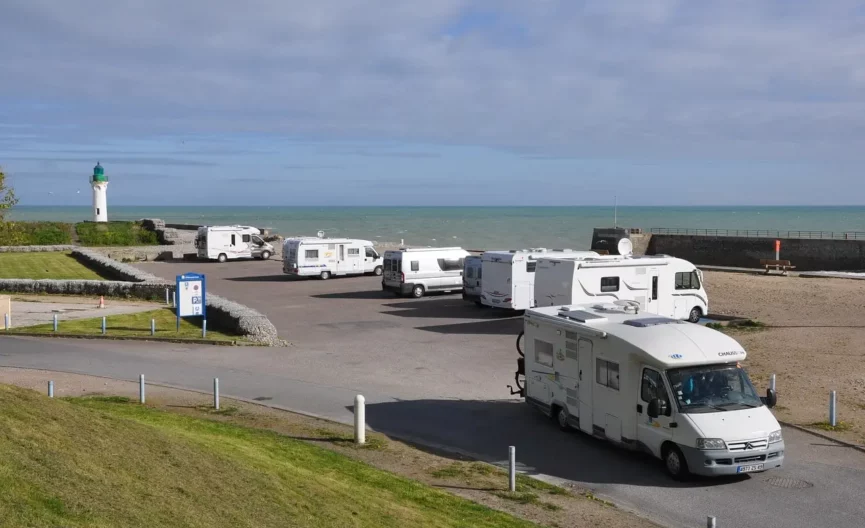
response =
{"points": [[777, 265]]}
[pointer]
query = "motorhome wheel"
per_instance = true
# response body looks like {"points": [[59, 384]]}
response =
{"points": [[695, 315], [675, 463], [377, 270], [417, 291], [324, 275], [222, 257], [562, 419], [265, 255]]}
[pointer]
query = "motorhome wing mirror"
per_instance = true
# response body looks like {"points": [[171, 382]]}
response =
{"points": [[771, 398], [658, 407]]}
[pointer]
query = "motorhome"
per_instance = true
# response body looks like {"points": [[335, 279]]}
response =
{"points": [[660, 284], [327, 257], [472, 275], [416, 271], [231, 242], [509, 276], [657, 384]]}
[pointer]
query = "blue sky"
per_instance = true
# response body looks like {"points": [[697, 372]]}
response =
{"points": [[452, 102]]}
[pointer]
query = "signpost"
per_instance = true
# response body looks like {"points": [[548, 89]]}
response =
{"points": [[191, 296]]}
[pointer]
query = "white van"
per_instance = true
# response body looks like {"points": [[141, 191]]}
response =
{"points": [[472, 275], [658, 284], [231, 242], [419, 270], [327, 257], [650, 383], [509, 276]]}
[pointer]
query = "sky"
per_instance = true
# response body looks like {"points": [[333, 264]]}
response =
{"points": [[451, 102]]}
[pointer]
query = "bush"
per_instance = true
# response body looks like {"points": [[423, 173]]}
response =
{"points": [[35, 234], [114, 234]]}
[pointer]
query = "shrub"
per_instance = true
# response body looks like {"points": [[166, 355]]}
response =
{"points": [[114, 234], [35, 234]]}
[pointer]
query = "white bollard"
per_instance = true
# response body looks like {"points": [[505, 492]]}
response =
{"points": [[512, 468], [167, 301], [711, 522], [359, 420], [153, 327], [203, 328], [7, 321], [832, 413], [55, 322], [141, 388], [216, 393], [772, 382], [50, 389], [103, 325]]}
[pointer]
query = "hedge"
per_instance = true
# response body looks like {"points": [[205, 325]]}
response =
{"points": [[114, 234], [36, 233]]}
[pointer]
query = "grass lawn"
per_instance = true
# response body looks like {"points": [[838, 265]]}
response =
{"points": [[133, 325], [101, 462], [49, 265]]}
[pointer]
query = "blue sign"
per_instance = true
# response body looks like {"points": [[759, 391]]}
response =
{"points": [[191, 296]]}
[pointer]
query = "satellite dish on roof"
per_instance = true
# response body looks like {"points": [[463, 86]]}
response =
{"points": [[625, 247], [320, 234]]}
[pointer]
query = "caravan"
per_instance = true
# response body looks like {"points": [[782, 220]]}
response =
{"points": [[417, 271], [659, 284], [509, 276], [231, 242], [672, 389], [327, 257]]}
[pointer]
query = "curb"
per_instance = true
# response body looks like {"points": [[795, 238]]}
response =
{"points": [[802, 428], [128, 338]]}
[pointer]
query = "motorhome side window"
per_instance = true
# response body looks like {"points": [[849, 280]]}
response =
{"points": [[470, 273], [246, 238], [311, 253], [607, 373], [530, 266], [233, 239], [415, 265], [353, 252], [687, 280], [543, 353], [451, 264], [370, 252], [609, 284], [652, 386]]}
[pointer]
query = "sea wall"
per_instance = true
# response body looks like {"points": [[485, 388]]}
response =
{"points": [[807, 254]]}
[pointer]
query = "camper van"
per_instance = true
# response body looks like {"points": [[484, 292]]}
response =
{"points": [[661, 385], [472, 274], [509, 276], [417, 271], [231, 242], [660, 284], [327, 257]]}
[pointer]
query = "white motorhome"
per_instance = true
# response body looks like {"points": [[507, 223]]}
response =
{"points": [[416, 271], [472, 275], [659, 284], [231, 242], [327, 257], [672, 389], [509, 276]]}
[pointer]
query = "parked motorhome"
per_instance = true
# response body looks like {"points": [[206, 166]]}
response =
{"points": [[231, 242], [673, 389], [328, 257], [417, 271], [472, 275], [509, 276], [660, 284]]}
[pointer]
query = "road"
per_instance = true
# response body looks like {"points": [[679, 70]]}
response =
{"points": [[435, 370]]}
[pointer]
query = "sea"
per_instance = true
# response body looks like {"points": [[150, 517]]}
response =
{"points": [[475, 227]]}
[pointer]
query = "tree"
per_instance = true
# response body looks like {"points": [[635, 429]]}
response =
{"points": [[7, 196]]}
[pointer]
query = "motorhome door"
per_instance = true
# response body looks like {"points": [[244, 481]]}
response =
{"points": [[652, 303], [585, 375], [341, 264]]}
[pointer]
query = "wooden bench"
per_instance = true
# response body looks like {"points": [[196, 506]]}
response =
{"points": [[778, 265]]}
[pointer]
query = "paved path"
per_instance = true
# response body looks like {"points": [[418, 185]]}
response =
{"points": [[35, 313], [291, 378]]}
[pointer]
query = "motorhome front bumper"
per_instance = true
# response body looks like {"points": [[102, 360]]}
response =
{"points": [[724, 462]]}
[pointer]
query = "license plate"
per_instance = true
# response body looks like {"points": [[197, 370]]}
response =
{"points": [[749, 468]]}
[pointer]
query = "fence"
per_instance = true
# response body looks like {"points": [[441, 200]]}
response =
{"points": [[761, 233]]}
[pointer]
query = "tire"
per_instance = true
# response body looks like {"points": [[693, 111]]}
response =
{"points": [[221, 258], [377, 271], [324, 275], [417, 291], [675, 463], [562, 418], [519, 349], [695, 315], [265, 255]]}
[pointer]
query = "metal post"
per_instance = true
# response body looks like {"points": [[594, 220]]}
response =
{"points": [[153, 327], [167, 301], [203, 328], [512, 468], [216, 393], [710, 522], [359, 420], [7, 321], [141, 388], [832, 418], [55, 322], [103, 325], [772, 382], [50, 389]]}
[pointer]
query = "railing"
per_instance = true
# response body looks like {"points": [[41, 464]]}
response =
{"points": [[829, 235]]}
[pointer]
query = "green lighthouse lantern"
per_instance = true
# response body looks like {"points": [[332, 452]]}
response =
{"points": [[98, 174]]}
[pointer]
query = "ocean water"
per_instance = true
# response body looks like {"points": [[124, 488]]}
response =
{"points": [[475, 227]]}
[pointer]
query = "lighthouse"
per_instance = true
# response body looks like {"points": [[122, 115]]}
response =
{"points": [[100, 194]]}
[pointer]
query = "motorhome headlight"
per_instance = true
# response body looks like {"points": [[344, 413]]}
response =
{"points": [[775, 437], [710, 443]]}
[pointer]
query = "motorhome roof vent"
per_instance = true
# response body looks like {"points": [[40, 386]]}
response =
{"points": [[580, 315], [651, 321]]}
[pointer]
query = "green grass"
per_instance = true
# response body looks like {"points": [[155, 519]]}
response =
{"points": [[114, 234], [50, 265], [133, 325], [92, 462], [825, 426]]}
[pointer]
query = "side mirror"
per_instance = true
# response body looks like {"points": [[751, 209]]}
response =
{"points": [[658, 407], [771, 398]]}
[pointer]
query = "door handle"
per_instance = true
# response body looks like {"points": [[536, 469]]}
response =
{"points": [[581, 375], [639, 408]]}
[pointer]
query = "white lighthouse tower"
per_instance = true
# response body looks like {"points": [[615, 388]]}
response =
{"points": [[100, 194]]}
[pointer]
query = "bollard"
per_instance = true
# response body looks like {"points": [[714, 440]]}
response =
{"points": [[55, 322], [103, 325], [216, 393], [153, 327], [50, 389], [7, 321], [141, 388], [832, 418], [512, 468], [711, 522], [772, 382], [359, 420], [203, 328], [167, 302]]}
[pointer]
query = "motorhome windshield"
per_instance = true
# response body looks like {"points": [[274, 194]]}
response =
{"points": [[712, 388]]}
